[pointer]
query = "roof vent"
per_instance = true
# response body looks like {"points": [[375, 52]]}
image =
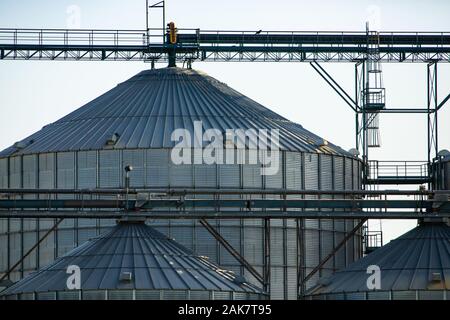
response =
{"points": [[113, 140], [126, 276], [354, 152], [436, 277], [22, 144], [239, 279], [443, 153]]}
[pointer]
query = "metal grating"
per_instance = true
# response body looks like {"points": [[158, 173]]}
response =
{"points": [[326, 174], [46, 170], [148, 294], [199, 295], [175, 294], [276, 283], [94, 294], [276, 246], [66, 241], [229, 176], [29, 240], [15, 169], [293, 170], [205, 175], [29, 174], [181, 175], [65, 164], [404, 295], [46, 249], [109, 169], [68, 295], [46, 296], [87, 169], [4, 173], [157, 169], [120, 295]]}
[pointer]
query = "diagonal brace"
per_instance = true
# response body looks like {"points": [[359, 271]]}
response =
{"points": [[440, 105], [31, 249], [333, 252], [231, 250], [334, 85]]}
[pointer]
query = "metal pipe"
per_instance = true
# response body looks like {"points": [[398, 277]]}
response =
{"points": [[207, 214], [249, 205], [266, 279], [334, 85], [192, 191]]}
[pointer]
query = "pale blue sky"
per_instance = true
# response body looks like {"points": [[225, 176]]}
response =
{"points": [[33, 94]]}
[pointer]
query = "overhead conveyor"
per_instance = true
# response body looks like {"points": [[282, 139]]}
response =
{"points": [[218, 45]]}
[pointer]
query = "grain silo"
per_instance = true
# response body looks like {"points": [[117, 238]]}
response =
{"points": [[441, 171], [132, 125], [415, 266], [133, 261]]}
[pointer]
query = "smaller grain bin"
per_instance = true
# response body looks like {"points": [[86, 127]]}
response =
{"points": [[133, 261], [415, 266]]}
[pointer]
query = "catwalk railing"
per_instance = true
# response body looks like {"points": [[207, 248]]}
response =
{"points": [[398, 172], [199, 204], [206, 45]]}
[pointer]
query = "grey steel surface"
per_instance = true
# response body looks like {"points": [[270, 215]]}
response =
{"points": [[154, 261], [406, 263], [147, 108], [142, 111]]}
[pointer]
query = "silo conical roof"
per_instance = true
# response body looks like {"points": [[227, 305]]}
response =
{"points": [[149, 258], [417, 260], [144, 111]]}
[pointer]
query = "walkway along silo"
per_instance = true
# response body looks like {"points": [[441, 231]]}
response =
{"points": [[132, 125]]}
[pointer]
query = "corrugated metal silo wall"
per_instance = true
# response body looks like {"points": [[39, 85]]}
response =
{"points": [[152, 168], [447, 175]]}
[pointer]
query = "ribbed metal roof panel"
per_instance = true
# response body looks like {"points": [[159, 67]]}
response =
{"points": [[155, 262], [148, 107], [406, 263]]}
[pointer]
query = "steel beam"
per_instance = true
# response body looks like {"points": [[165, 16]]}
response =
{"points": [[443, 102], [267, 267], [248, 205], [232, 251], [333, 252], [156, 192], [195, 44], [6, 275], [334, 85], [301, 266], [432, 118], [212, 214], [405, 110]]}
